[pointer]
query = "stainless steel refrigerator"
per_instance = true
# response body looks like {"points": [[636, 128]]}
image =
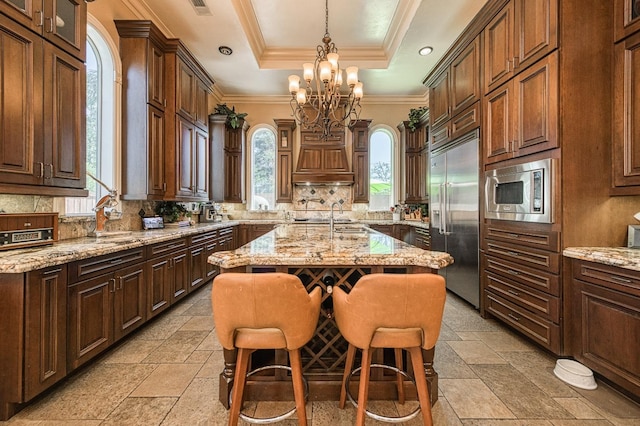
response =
{"points": [[454, 215]]}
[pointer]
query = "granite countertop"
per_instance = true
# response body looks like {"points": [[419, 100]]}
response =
{"points": [[65, 251], [300, 244], [622, 257]]}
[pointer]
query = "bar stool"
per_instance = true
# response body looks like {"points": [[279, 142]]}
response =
{"points": [[399, 311], [264, 311]]}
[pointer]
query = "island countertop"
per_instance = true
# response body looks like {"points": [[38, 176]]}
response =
{"points": [[296, 244]]}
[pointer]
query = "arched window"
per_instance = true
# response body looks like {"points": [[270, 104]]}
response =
{"points": [[263, 169], [381, 170], [101, 99]]}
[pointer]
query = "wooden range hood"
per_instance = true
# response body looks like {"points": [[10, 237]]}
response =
{"points": [[322, 162]]}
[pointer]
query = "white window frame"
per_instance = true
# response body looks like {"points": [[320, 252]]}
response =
{"points": [[397, 159], [249, 163]]}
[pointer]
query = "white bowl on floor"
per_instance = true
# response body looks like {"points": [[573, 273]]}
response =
{"points": [[575, 374]]}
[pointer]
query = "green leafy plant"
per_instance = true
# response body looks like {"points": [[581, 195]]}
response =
{"points": [[233, 117], [414, 117], [172, 211]]}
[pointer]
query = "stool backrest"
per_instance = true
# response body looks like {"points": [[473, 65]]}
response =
{"points": [[391, 301], [266, 300]]}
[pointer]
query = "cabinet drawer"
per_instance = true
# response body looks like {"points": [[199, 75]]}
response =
{"points": [[166, 247], [525, 256], [545, 240], [529, 277], [440, 135], [540, 330], [95, 266], [225, 232], [624, 280], [204, 237], [538, 303], [466, 121]]}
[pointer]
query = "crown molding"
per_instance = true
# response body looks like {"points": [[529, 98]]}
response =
{"points": [[367, 100], [141, 10]]}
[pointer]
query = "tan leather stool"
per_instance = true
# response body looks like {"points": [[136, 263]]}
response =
{"points": [[264, 311], [400, 311]]}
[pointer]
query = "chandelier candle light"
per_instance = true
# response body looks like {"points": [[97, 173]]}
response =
{"points": [[325, 110]]}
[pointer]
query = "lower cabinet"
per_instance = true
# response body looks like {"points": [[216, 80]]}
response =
{"points": [[606, 321], [102, 310], [201, 246], [410, 234]]}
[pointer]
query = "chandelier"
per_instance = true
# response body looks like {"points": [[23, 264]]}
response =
{"points": [[325, 109]]}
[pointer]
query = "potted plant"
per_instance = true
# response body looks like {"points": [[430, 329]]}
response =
{"points": [[171, 211], [415, 114], [233, 118]]}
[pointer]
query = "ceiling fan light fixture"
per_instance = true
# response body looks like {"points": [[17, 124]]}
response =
{"points": [[225, 50], [424, 51]]}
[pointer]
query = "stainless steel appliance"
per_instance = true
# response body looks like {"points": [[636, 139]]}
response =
{"points": [[210, 212], [522, 192], [454, 215]]}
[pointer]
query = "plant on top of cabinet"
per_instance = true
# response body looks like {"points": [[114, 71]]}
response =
{"points": [[415, 115], [233, 118]]}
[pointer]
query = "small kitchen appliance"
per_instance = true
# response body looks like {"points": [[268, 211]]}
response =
{"points": [[210, 212], [27, 230]]}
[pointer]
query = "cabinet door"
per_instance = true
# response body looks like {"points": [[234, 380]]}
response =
{"points": [[156, 181], [129, 302], [284, 175], [537, 106], [45, 329], [498, 122], [27, 12], [90, 318], [233, 178], [536, 31], [361, 170], [465, 80], [626, 142], [21, 106], [439, 106], [185, 157], [414, 175], [185, 91], [210, 248], [498, 48], [64, 123], [415, 140], [180, 268], [627, 18], [155, 76], [201, 164], [198, 257], [202, 105], [65, 25], [159, 283]]}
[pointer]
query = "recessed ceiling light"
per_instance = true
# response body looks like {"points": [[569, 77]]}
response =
{"points": [[424, 51], [225, 50]]}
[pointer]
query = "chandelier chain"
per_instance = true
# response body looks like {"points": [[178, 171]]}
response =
{"points": [[326, 18]]}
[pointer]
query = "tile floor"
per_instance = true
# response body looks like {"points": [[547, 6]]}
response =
{"points": [[167, 374]]}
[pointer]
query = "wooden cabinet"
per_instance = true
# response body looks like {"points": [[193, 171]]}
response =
{"points": [[61, 22], [322, 161], [464, 80], [521, 281], [45, 340], [439, 104], [360, 161], [284, 166], [249, 232], [200, 247], [606, 321], [626, 17], [626, 124], [166, 87], [416, 156], [168, 263], [421, 238], [106, 299], [521, 117], [513, 40], [43, 115], [234, 143]]}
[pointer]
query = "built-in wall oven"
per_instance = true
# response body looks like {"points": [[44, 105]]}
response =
{"points": [[522, 192]]}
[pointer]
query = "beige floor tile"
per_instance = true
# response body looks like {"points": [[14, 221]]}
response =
{"points": [[200, 323], [132, 352], [162, 328], [276, 408], [70, 423], [496, 422], [327, 413], [523, 398], [199, 357], [167, 380], [476, 352], [212, 367], [200, 307], [198, 405], [140, 412], [471, 398], [578, 408], [177, 348], [580, 422], [210, 343], [499, 341], [449, 365]]}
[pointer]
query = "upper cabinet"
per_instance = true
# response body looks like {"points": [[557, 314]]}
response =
{"points": [[62, 22], [513, 40], [284, 162], [360, 161], [165, 104], [42, 112], [627, 18]]}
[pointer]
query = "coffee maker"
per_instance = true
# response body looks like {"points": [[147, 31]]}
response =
{"points": [[210, 212]]}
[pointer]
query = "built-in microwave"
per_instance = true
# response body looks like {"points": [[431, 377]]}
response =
{"points": [[522, 192]]}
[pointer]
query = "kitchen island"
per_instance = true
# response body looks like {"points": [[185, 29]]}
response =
{"points": [[325, 260]]}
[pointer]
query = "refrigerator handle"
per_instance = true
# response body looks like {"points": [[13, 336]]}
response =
{"points": [[442, 227], [447, 207]]}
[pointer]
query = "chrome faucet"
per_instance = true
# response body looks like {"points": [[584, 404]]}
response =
{"points": [[331, 218]]}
